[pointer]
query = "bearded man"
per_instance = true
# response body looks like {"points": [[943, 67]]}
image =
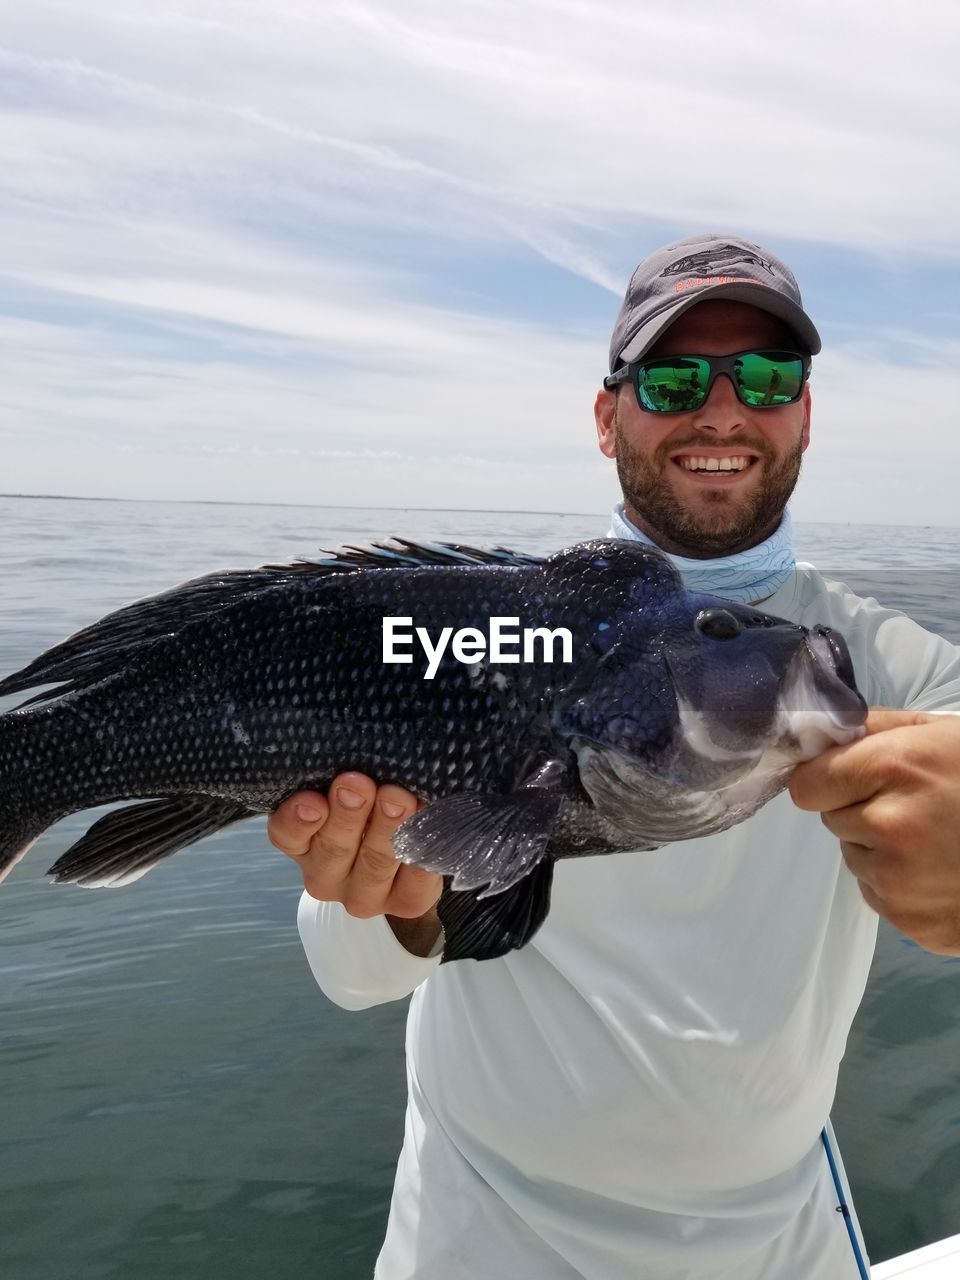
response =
{"points": [[644, 1090]]}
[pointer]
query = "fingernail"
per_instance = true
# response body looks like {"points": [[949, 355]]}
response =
{"points": [[306, 813], [391, 809], [350, 799]]}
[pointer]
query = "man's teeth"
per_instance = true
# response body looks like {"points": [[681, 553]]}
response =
{"points": [[714, 464]]}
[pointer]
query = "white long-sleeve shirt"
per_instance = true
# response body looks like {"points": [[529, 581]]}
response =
{"points": [[640, 1091]]}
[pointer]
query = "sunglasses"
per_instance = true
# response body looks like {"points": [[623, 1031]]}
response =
{"points": [[681, 384]]}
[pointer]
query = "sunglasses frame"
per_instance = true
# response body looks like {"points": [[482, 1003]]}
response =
{"points": [[716, 365]]}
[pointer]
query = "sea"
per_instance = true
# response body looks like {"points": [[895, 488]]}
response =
{"points": [[177, 1097]]}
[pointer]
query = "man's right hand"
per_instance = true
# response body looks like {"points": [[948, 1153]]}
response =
{"points": [[342, 844]]}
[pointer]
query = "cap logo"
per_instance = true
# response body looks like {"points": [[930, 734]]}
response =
{"points": [[712, 262], [697, 282]]}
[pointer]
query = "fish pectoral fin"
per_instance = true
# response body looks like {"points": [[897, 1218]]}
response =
{"points": [[125, 844], [486, 842], [482, 926]]}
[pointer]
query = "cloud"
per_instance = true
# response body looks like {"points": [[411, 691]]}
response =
{"points": [[354, 251], [499, 113]]}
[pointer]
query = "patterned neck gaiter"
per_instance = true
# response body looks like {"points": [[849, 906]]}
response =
{"points": [[748, 576]]}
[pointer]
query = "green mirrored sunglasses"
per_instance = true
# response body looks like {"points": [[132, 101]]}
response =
{"points": [[681, 384]]}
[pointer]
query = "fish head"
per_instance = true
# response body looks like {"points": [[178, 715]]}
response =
{"points": [[698, 709], [747, 685]]}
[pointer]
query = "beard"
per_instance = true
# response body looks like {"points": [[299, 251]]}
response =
{"points": [[723, 524]]}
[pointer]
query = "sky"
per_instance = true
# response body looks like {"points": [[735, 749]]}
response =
{"points": [[371, 253]]}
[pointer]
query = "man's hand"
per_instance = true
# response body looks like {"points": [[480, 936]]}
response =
{"points": [[893, 800], [342, 844]]}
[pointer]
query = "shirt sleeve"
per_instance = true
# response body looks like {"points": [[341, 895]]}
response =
{"points": [[359, 963], [911, 667], [898, 663]]}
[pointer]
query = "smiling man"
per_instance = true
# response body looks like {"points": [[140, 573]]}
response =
{"points": [[716, 478], [644, 1090]]}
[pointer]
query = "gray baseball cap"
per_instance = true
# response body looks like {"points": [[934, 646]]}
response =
{"points": [[678, 276]]}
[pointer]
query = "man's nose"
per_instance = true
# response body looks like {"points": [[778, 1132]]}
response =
{"points": [[722, 411]]}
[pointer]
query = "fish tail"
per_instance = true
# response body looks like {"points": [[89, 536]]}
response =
{"points": [[23, 815]]}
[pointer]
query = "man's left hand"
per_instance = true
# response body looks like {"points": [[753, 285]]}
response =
{"points": [[893, 801]]}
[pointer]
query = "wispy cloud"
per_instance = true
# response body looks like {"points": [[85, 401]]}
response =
{"points": [[372, 252]]}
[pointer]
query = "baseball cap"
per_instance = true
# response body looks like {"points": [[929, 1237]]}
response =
{"points": [[678, 276]]}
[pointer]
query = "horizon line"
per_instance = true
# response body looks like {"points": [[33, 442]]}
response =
{"points": [[353, 506], [307, 506]]}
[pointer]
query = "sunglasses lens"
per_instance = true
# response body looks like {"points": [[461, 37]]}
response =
{"points": [[769, 377], [679, 384], [673, 386]]}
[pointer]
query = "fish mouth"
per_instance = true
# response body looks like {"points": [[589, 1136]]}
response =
{"points": [[820, 705]]}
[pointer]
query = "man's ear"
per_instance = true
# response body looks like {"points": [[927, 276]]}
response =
{"points": [[605, 415], [805, 437]]}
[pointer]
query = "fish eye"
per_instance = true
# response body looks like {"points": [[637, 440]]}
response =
{"points": [[717, 624]]}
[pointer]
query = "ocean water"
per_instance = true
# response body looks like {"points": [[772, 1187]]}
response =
{"points": [[178, 1097]]}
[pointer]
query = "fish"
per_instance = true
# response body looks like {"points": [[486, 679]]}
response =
{"points": [[664, 715]]}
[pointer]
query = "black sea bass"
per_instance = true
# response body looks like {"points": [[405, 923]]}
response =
{"points": [[661, 715]]}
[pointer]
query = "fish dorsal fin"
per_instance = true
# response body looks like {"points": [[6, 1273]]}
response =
{"points": [[478, 926], [401, 553], [99, 650]]}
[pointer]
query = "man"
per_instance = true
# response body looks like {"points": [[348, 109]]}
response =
{"points": [[641, 1091]]}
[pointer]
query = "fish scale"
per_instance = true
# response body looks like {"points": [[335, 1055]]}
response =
{"points": [[218, 699]]}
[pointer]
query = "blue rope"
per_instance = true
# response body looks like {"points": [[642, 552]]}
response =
{"points": [[844, 1208]]}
